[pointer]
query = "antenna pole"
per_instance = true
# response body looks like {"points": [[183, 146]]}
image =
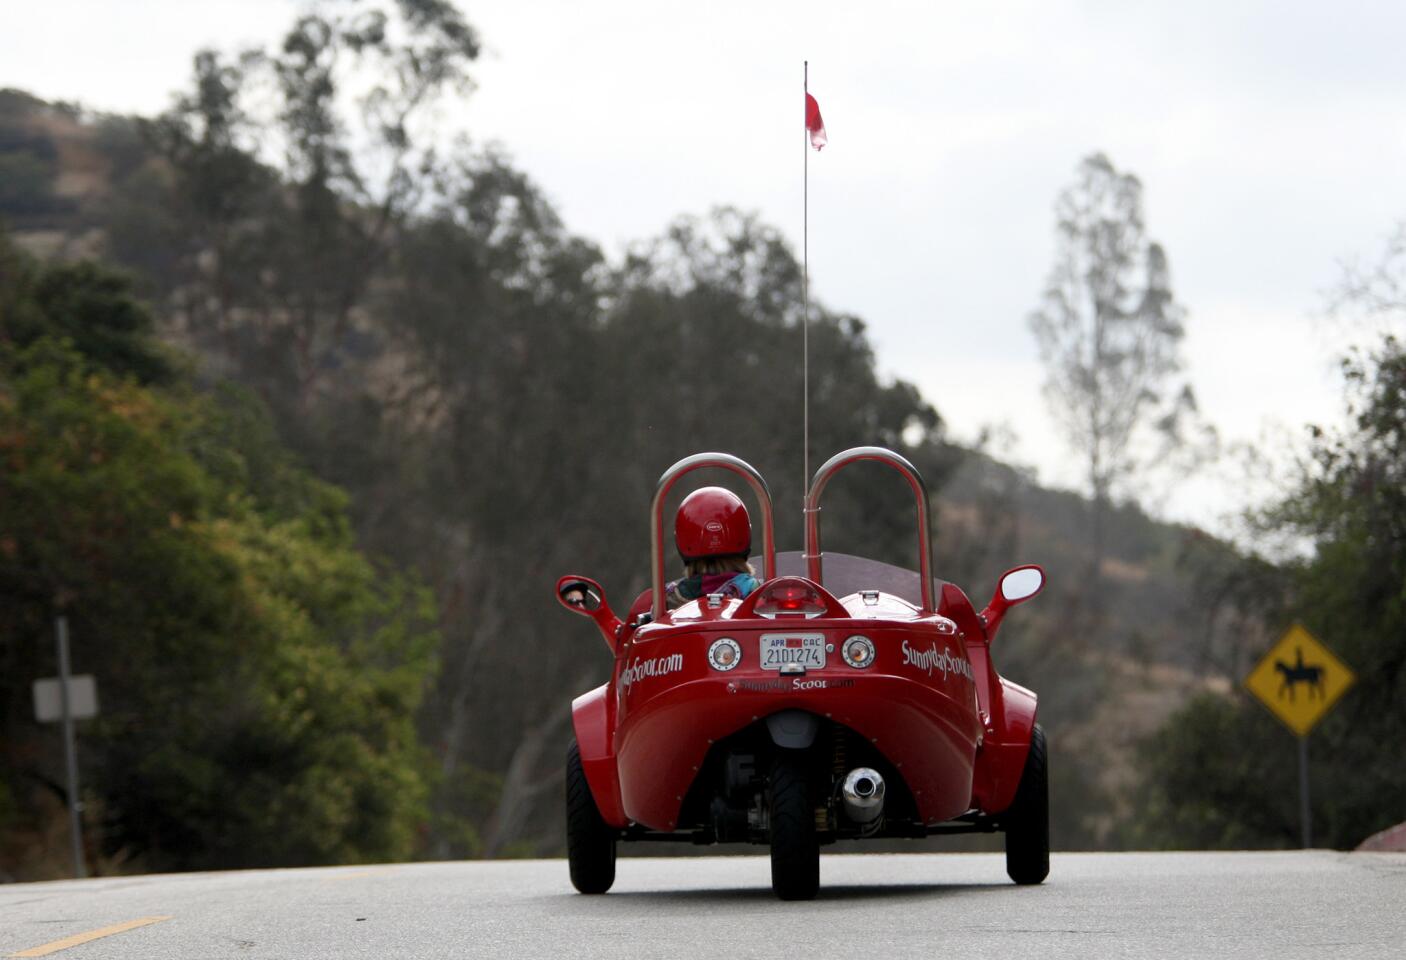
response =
{"points": [[805, 294]]}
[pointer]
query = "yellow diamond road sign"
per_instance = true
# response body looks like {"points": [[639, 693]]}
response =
{"points": [[1299, 680]]}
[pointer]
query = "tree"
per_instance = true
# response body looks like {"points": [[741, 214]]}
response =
{"points": [[259, 675], [1373, 298], [1221, 772], [29, 163], [92, 306], [284, 217], [1109, 331]]}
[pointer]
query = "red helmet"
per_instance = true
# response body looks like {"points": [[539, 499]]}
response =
{"points": [[712, 522]]}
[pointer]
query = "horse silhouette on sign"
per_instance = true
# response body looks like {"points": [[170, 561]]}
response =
{"points": [[1298, 673]]}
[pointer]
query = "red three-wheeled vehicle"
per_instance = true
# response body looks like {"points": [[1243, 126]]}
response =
{"points": [[842, 699]]}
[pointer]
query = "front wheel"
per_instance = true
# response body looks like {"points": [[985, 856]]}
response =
{"points": [[590, 842], [795, 851], [1028, 820]]}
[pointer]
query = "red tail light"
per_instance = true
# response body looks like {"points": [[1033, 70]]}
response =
{"points": [[790, 597]]}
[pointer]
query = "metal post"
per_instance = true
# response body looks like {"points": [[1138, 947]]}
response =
{"points": [[70, 750], [668, 478], [805, 291], [1305, 817]]}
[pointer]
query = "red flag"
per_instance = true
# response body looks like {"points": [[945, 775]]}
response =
{"points": [[814, 124]]}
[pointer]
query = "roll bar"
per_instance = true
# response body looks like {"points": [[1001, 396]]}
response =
{"points": [[920, 493], [656, 514]]}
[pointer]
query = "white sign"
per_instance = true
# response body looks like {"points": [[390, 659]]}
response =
{"points": [[82, 698]]}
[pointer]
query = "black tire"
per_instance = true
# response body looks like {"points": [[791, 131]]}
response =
{"points": [[795, 851], [1027, 822], [590, 842]]}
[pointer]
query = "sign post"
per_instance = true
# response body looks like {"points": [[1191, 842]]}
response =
{"points": [[68, 698], [1299, 680], [1304, 817]]}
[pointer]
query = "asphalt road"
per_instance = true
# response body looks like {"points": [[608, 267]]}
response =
{"points": [[954, 906]]}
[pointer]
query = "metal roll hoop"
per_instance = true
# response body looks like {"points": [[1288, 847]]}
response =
{"points": [[669, 478], [920, 493]]}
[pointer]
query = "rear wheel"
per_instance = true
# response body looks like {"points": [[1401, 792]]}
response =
{"points": [[1028, 820], [795, 851], [590, 842]]}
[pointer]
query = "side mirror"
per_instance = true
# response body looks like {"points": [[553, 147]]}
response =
{"points": [[1015, 587], [584, 596], [1022, 583], [580, 595]]}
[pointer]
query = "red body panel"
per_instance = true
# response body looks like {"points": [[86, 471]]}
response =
{"points": [[1003, 761], [916, 703], [1007, 712], [591, 716], [1003, 751]]}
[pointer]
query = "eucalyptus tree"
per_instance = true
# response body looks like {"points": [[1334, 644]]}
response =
{"points": [[1109, 331], [294, 169]]}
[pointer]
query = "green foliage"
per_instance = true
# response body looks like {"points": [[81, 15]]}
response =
{"points": [[259, 676], [29, 161], [1222, 773], [294, 246], [90, 305], [26, 184]]}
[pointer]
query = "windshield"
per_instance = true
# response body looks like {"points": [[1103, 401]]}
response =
{"points": [[846, 574]]}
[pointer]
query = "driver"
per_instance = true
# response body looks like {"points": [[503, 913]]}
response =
{"points": [[714, 537]]}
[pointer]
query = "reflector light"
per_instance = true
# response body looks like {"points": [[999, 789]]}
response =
{"points": [[858, 651], [724, 654]]}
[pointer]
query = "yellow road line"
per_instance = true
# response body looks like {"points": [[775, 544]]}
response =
{"points": [[91, 935]]}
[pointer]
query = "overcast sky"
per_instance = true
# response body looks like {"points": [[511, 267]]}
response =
{"points": [[1269, 136]]}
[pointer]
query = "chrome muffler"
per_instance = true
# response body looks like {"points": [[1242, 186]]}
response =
{"points": [[863, 795]]}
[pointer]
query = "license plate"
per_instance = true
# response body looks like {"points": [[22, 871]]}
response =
{"points": [[779, 649]]}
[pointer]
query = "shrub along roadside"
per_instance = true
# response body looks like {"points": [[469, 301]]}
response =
{"points": [[1222, 772], [258, 676]]}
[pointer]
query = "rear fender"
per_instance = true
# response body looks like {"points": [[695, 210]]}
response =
{"points": [[1002, 757], [590, 716], [793, 729]]}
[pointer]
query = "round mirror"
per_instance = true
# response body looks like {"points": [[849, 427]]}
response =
{"points": [[1021, 584]]}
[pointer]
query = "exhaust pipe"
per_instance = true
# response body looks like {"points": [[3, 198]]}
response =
{"points": [[863, 794]]}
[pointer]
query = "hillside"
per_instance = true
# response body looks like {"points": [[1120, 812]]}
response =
{"points": [[436, 389]]}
